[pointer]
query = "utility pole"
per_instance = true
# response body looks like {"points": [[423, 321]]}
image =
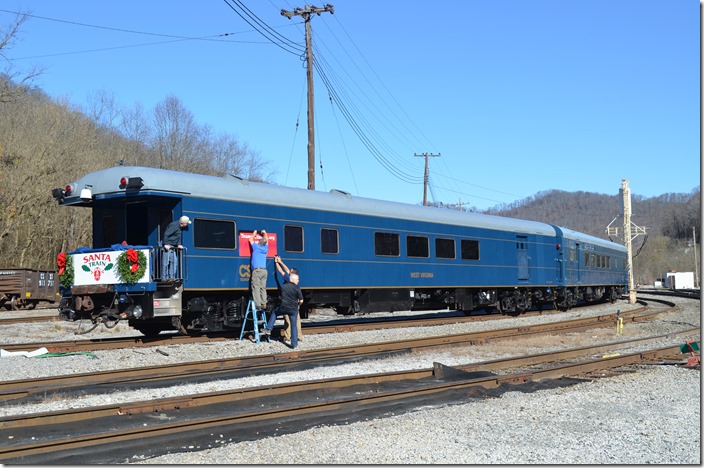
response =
{"points": [[306, 13], [696, 258], [426, 176], [628, 229], [627, 238]]}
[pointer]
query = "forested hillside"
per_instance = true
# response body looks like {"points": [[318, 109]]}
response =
{"points": [[672, 214], [671, 221], [46, 143]]}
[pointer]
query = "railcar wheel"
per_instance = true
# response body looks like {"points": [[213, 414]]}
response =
{"points": [[507, 306], [567, 301], [344, 310], [613, 295]]}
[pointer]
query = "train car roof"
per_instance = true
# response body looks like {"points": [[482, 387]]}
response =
{"points": [[105, 183], [586, 238]]}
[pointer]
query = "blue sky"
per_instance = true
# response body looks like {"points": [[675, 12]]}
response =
{"points": [[517, 96]]}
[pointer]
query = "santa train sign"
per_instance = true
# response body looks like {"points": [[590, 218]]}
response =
{"points": [[101, 268]]}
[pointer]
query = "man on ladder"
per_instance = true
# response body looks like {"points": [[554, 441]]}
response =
{"points": [[260, 247]]}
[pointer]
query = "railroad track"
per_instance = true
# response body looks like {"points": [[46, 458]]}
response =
{"points": [[335, 326], [218, 369], [105, 434], [31, 318]]}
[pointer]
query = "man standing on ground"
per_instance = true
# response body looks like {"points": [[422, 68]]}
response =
{"points": [[258, 269], [291, 299], [285, 274]]}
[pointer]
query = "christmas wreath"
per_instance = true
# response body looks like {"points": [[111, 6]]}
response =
{"points": [[131, 265], [65, 264]]}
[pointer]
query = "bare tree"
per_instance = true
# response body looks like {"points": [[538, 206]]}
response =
{"points": [[14, 84], [228, 156], [177, 136], [135, 126]]}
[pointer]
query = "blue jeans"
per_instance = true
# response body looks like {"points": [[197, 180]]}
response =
{"points": [[169, 264], [293, 316]]}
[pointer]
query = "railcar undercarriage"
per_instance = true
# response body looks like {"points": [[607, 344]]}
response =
{"points": [[506, 301], [227, 312]]}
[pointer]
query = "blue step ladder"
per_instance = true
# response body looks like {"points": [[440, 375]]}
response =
{"points": [[251, 315]]}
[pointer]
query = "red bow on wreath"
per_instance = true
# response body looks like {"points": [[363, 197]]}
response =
{"points": [[61, 262], [134, 258]]}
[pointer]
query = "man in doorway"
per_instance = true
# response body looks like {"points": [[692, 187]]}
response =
{"points": [[172, 243]]}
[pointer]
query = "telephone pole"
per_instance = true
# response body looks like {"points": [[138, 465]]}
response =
{"points": [[426, 176], [627, 238], [306, 13], [696, 257], [629, 229]]}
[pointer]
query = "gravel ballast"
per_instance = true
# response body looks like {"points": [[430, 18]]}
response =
{"points": [[651, 415]]}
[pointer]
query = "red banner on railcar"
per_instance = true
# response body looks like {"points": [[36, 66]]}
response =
{"points": [[245, 248]]}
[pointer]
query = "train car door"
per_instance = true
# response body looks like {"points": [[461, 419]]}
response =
{"points": [[137, 224], [522, 258], [578, 261]]}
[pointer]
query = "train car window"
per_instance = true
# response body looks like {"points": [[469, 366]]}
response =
{"points": [[293, 238], [572, 254], [329, 241], [387, 244], [470, 249], [417, 246], [214, 234], [444, 248], [608, 262]]}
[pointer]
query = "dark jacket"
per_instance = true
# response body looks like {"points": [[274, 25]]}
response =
{"points": [[172, 234], [290, 294]]}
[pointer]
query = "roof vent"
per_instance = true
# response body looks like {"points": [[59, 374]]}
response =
{"points": [[236, 178], [342, 193]]}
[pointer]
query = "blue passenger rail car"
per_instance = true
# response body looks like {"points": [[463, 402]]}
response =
{"points": [[354, 254]]}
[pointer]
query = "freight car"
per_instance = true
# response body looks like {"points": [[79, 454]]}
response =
{"points": [[24, 287], [355, 255]]}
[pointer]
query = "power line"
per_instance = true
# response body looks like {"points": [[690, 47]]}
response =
{"points": [[364, 138], [130, 31], [265, 30]]}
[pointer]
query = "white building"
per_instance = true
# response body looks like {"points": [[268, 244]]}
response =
{"points": [[679, 280]]}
